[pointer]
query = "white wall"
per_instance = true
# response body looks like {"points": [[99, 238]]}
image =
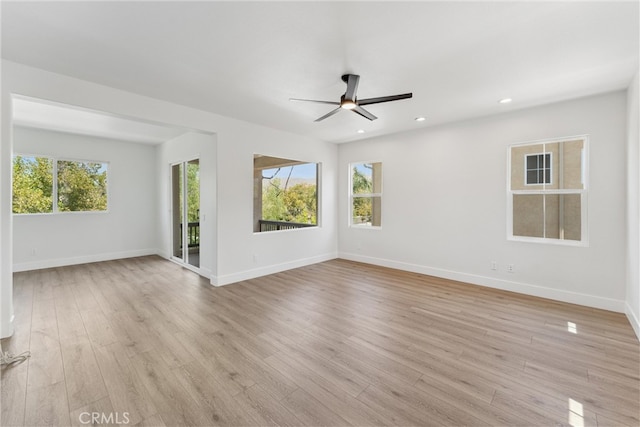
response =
{"points": [[127, 229], [244, 254], [237, 141], [633, 205], [183, 148], [444, 203]]}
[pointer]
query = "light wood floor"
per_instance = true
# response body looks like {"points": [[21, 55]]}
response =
{"points": [[337, 343]]}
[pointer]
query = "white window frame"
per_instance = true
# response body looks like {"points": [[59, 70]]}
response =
{"points": [[584, 192], [319, 204], [550, 169], [364, 195], [54, 190]]}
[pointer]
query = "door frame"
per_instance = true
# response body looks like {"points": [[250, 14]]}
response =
{"points": [[184, 261]]}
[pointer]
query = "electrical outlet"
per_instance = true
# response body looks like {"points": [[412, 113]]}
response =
{"points": [[494, 265], [255, 258], [510, 268]]}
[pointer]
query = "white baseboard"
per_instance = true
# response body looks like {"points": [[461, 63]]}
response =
{"points": [[228, 279], [491, 282], [62, 262], [633, 319]]}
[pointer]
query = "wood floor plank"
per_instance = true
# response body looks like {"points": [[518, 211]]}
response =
{"points": [[100, 412], [126, 391], [154, 421], [268, 407], [205, 388], [350, 408], [47, 406], [99, 330], [172, 401], [13, 378], [334, 343], [45, 367], [13, 392], [310, 411], [215, 362], [83, 378]]}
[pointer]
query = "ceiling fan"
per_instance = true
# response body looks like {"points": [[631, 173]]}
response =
{"points": [[349, 101]]}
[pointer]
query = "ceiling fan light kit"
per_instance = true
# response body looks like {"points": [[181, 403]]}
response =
{"points": [[349, 101]]}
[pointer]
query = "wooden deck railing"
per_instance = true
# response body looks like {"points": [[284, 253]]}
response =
{"points": [[281, 225], [193, 234]]}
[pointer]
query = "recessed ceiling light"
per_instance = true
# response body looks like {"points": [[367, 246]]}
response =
{"points": [[420, 119], [505, 100], [360, 130]]}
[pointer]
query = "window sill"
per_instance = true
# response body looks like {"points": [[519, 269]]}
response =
{"points": [[547, 241]]}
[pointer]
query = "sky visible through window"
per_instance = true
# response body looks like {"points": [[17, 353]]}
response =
{"points": [[364, 169], [304, 171]]}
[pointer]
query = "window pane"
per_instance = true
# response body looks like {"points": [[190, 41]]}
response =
{"points": [[570, 207], [366, 178], [367, 211], [32, 184], [82, 186], [528, 215], [285, 194], [571, 168], [193, 212], [541, 177], [523, 159], [553, 216], [177, 220]]}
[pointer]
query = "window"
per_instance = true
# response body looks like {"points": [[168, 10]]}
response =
{"points": [[77, 186], [548, 191], [366, 194], [538, 168], [285, 194]]}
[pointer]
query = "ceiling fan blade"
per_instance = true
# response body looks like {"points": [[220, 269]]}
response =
{"points": [[381, 99], [329, 114], [352, 86], [364, 113], [314, 100]]}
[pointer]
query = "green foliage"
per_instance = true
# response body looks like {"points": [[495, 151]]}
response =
{"points": [[361, 182], [362, 206], [193, 192], [362, 210], [32, 184], [295, 204], [81, 186]]}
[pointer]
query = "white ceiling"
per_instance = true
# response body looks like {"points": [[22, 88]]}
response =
{"points": [[246, 59]]}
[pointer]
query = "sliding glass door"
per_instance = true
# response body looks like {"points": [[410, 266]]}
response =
{"points": [[185, 208]]}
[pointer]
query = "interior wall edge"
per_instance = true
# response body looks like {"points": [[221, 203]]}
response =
{"points": [[635, 323], [6, 328], [490, 282]]}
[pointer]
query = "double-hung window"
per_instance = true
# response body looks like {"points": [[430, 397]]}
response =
{"points": [[548, 191], [366, 194]]}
